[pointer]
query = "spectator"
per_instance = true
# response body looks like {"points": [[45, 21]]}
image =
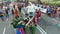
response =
{"points": [[49, 10]]}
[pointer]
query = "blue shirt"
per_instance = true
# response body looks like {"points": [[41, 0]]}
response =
{"points": [[18, 31], [49, 9]]}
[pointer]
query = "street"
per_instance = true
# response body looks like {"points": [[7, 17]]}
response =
{"points": [[5, 26], [47, 24], [29, 16]]}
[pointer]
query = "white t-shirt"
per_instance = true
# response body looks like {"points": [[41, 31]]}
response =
{"points": [[31, 9]]}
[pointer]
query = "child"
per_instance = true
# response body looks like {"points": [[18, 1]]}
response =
{"points": [[16, 14], [20, 29], [16, 21], [35, 19], [38, 14], [23, 25], [33, 28]]}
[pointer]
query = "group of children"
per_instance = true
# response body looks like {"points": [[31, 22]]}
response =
{"points": [[20, 24]]}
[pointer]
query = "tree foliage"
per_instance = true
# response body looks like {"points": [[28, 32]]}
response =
{"points": [[55, 0]]}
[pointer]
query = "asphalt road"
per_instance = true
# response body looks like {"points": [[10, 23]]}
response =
{"points": [[5, 27], [47, 24]]}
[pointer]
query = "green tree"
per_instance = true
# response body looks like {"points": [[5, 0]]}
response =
{"points": [[55, 0], [40, 1]]}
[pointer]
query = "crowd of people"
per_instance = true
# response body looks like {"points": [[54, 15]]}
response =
{"points": [[28, 12], [53, 11], [24, 13], [29, 15]]}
